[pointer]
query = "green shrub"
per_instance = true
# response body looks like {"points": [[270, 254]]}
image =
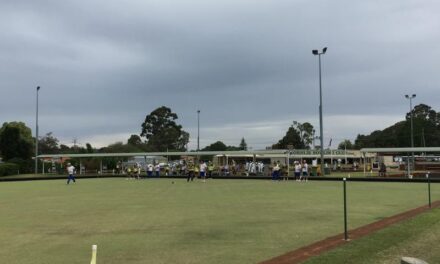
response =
{"points": [[8, 169], [24, 166]]}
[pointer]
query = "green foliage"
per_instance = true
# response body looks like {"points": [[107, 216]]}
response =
{"points": [[217, 146], [48, 144], [243, 144], [8, 169], [220, 146], [162, 132], [25, 166], [134, 140], [426, 131], [16, 141], [299, 136], [346, 144], [89, 148], [120, 147]]}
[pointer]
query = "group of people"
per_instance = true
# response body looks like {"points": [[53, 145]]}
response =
{"points": [[301, 171], [191, 169], [204, 169]]}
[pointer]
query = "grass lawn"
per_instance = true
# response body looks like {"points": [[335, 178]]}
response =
{"points": [[155, 221], [418, 237]]}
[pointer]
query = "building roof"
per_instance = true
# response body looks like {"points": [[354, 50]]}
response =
{"points": [[400, 150]]}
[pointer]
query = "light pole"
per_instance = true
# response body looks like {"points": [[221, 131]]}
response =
{"points": [[316, 52], [410, 97], [198, 130], [36, 136]]}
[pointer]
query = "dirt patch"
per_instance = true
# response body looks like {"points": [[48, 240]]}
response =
{"points": [[301, 254]]}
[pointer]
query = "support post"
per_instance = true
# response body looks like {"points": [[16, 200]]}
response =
{"points": [[429, 188], [345, 210]]}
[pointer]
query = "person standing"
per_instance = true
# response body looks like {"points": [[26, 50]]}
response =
{"points": [[190, 168], [203, 170], [71, 171], [150, 170], [157, 169], [210, 169], [275, 172], [138, 168], [196, 170], [183, 168], [297, 171], [305, 171]]}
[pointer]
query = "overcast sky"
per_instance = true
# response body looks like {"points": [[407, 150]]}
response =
{"points": [[103, 65]]}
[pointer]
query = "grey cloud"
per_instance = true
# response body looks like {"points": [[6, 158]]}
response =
{"points": [[237, 61]]}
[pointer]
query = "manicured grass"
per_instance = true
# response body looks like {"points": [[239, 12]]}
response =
{"points": [[155, 221], [418, 237]]}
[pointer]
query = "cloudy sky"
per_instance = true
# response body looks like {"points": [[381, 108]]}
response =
{"points": [[103, 65]]}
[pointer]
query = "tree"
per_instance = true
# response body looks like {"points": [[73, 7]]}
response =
{"points": [[305, 132], [298, 135], [120, 147], [162, 132], [48, 144], [426, 131], [134, 140], [16, 141], [64, 149], [346, 144], [216, 146], [243, 145], [89, 148], [183, 140]]}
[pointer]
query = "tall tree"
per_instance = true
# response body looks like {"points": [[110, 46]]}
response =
{"points": [[243, 144], [48, 144], [162, 132], [346, 144], [89, 148], [216, 146], [305, 132], [134, 140], [299, 135], [426, 131], [16, 141]]}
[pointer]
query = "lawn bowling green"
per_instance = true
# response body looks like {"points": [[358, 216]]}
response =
{"points": [[153, 221]]}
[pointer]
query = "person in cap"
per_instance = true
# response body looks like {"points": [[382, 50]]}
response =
{"points": [[71, 172]]}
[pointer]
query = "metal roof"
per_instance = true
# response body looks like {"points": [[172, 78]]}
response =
{"points": [[400, 150], [265, 153], [195, 153]]}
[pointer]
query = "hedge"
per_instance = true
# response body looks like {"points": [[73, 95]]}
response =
{"points": [[8, 169]]}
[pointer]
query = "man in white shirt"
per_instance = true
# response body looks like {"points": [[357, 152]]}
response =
{"points": [[297, 171], [150, 170], [71, 172], [305, 171], [157, 169], [203, 167]]}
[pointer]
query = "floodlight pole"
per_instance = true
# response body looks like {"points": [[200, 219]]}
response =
{"points": [[412, 128], [316, 52], [198, 130], [36, 135]]}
